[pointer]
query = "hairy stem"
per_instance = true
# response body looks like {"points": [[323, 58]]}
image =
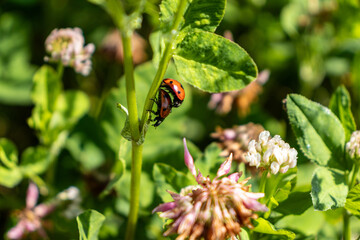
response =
{"points": [[169, 49], [135, 134]]}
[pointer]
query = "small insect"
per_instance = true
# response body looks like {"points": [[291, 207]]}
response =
{"points": [[176, 90], [164, 105]]}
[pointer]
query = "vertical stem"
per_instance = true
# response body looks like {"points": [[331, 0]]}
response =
{"points": [[135, 190], [346, 215], [353, 179], [346, 226], [263, 181], [136, 161], [169, 48], [130, 85]]}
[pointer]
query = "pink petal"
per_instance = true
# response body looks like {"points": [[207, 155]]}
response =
{"points": [[200, 178], [32, 195], [164, 207], [32, 225], [235, 176], [225, 166], [42, 210], [255, 205], [189, 162], [17, 231]]}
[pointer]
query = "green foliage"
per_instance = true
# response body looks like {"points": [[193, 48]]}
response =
{"points": [[318, 131], [89, 224], [55, 111], [200, 14], [15, 67], [263, 226], [340, 105], [353, 201], [169, 179], [10, 174], [329, 189], [296, 203], [213, 63]]}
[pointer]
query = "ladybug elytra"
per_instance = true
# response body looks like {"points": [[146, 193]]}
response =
{"points": [[164, 105], [176, 89]]}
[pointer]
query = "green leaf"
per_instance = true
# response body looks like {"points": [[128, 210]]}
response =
{"points": [[213, 63], [89, 224], [353, 200], [318, 131], [47, 87], [329, 189], [35, 160], [263, 226], [10, 177], [167, 178], [200, 14], [311, 222], [10, 174], [340, 105], [296, 203], [70, 107], [285, 186], [8, 153], [209, 163]]}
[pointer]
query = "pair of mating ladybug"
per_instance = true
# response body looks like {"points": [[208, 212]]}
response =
{"points": [[164, 102]]}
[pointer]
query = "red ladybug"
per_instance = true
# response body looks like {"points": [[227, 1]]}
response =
{"points": [[176, 89], [164, 106]]}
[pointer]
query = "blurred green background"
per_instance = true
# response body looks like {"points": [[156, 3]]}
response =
{"points": [[310, 47]]}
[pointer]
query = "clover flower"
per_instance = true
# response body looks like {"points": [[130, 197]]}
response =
{"points": [[353, 146], [30, 218], [66, 45], [271, 153], [214, 209], [235, 140]]}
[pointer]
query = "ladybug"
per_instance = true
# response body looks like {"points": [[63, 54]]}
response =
{"points": [[176, 90], [164, 105]]}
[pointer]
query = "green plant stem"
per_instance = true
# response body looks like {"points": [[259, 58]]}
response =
{"points": [[136, 161], [133, 115], [353, 178], [346, 226], [346, 215], [135, 190], [263, 181], [130, 86], [168, 52]]}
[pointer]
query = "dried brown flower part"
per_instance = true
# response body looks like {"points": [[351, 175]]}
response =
{"points": [[112, 47], [235, 140], [214, 209], [242, 99]]}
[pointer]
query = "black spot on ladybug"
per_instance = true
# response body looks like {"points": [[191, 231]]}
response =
{"points": [[171, 82], [179, 92], [181, 86]]}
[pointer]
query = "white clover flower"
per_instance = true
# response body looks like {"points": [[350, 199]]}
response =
{"points": [[271, 153], [353, 146], [67, 46]]}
